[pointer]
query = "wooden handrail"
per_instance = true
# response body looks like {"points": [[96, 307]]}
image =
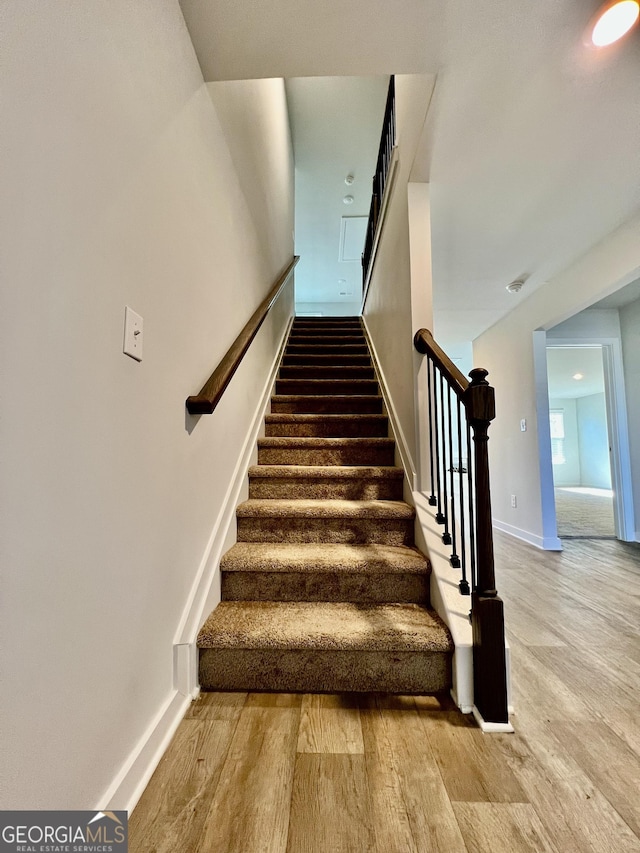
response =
{"points": [[424, 342], [205, 402]]}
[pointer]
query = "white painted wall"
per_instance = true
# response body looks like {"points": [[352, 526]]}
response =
{"points": [[335, 126], [118, 188], [388, 308], [630, 331], [506, 351], [329, 309], [568, 473]]}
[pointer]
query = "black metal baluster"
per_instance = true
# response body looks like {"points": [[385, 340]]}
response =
{"points": [[432, 498], [446, 536], [439, 514], [464, 583], [454, 559]]}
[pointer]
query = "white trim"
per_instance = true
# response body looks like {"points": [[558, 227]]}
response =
{"points": [[545, 543], [388, 189], [452, 607], [203, 597], [617, 425], [129, 784], [491, 727], [401, 442], [545, 457]]}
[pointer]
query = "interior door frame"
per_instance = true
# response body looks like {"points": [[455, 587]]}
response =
{"points": [[617, 426]]}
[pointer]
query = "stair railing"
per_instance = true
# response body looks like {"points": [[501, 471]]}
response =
{"points": [[459, 413], [206, 400], [387, 143]]}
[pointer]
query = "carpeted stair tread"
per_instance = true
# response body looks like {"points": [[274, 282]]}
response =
{"points": [[329, 472], [324, 557], [314, 387], [338, 626], [326, 425], [304, 450], [326, 403], [328, 359], [336, 371], [346, 482], [324, 441], [329, 509], [324, 590]]}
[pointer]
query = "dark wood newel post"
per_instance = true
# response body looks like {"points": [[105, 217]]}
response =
{"points": [[487, 612]]}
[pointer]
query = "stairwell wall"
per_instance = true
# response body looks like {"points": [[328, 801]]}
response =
{"points": [[389, 311], [124, 183]]}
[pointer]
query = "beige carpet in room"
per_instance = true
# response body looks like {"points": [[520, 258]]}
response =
{"points": [[582, 514]]}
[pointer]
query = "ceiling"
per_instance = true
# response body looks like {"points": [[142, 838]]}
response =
{"points": [[532, 142], [564, 363], [622, 297]]}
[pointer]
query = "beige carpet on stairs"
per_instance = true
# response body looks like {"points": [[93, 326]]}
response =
{"points": [[325, 590]]}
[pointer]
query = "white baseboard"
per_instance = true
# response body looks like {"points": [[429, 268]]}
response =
{"points": [[401, 442], [545, 543], [201, 599], [128, 786], [452, 607]]}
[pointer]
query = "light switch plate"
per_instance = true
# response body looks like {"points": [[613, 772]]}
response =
{"points": [[133, 328], [523, 425]]}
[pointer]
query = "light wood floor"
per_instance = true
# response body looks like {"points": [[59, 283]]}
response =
{"points": [[282, 773]]}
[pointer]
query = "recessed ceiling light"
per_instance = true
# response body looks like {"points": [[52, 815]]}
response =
{"points": [[349, 179], [348, 199], [578, 376], [614, 20]]}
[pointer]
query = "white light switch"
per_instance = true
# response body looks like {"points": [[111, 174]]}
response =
{"points": [[133, 326], [523, 425]]}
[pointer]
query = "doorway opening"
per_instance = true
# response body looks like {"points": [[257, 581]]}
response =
{"points": [[580, 442]]}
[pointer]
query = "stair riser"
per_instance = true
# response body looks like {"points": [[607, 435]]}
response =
{"points": [[340, 328], [313, 671], [335, 330], [326, 372], [309, 405], [339, 428], [307, 360], [327, 349], [326, 386], [350, 531], [303, 488], [319, 321], [360, 588], [355, 455], [326, 340]]}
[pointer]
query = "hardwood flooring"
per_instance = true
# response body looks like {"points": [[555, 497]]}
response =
{"points": [[288, 773]]}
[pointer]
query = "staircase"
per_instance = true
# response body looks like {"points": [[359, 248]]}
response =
{"points": [[324, 590]]}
